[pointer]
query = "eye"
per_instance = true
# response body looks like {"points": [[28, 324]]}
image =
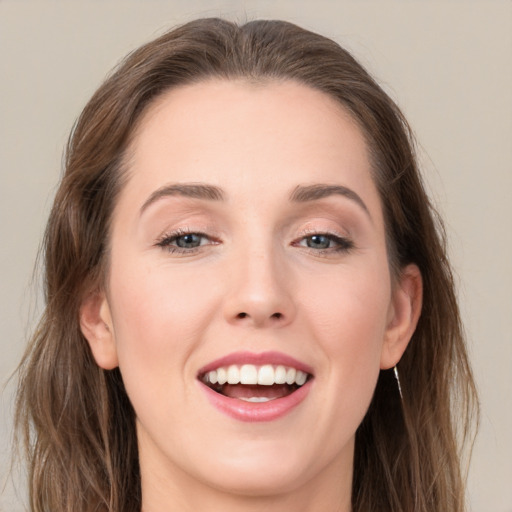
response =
{"points": [[183, 241], [189, 241], [319, 242], [325, 242]]}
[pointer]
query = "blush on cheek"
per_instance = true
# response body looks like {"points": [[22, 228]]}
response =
{"points": [[156, 311]]}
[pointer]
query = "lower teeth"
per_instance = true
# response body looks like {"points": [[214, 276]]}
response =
{"points": [[257, 399], [283, 390]]}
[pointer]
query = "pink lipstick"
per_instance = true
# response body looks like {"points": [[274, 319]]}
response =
{"points": [[256, 387]]}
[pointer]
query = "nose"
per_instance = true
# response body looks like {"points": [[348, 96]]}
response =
{"points": [[260, 291]]}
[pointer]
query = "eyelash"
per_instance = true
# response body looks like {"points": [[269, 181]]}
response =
{"points": [[165, 242], [343, 244]]}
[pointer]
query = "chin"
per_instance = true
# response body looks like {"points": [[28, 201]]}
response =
{"points": [[262, 468], [270, 479]]}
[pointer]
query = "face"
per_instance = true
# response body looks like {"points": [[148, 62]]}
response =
{"points": [[248, 244]]}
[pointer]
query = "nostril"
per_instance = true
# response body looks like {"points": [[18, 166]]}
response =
{"points": [[277, 316]]}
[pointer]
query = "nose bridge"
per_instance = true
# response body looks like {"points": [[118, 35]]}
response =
{"points": [[259, 292]]}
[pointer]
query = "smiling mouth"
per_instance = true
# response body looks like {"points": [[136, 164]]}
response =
{"points": [[253, 383]]}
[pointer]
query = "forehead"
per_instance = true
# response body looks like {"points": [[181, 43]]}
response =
{"points": [[285, 108], [240, 134]]}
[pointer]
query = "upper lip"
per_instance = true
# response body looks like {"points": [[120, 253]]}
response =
{"points": [[257, 359]]}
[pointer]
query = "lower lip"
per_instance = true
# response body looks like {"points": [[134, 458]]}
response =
{"points": [[253, 412]]}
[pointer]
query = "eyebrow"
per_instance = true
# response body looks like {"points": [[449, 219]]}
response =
{"points": [[193, 190], [301, 193], [306, 193]]}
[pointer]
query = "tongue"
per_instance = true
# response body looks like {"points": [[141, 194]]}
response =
{"points": [[250, 391]]}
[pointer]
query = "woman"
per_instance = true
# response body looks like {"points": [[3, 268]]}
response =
{"points": [[249, 305]]}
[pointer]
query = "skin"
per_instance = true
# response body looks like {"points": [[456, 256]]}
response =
{"points": [[166, 314]]}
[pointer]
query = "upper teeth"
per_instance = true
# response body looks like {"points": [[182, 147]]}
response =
{"points": [[265, 375]]}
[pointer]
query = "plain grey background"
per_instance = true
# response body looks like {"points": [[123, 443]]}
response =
{"points": [[447, 63]]}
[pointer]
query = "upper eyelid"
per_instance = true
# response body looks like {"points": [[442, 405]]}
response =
{"points": [[215, 235], [204, 232], [327, 232]]}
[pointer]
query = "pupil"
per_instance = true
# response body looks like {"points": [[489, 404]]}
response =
{"points": [[318, 242], [188, 241]]}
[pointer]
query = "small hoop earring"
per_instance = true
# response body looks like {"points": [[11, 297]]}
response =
{"points": [[397, 377]]}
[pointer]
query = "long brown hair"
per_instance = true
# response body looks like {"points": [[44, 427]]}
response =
{"points": [[76, 419]]}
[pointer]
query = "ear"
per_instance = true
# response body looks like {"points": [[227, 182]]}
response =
{"points": [[403, 315], [96, 325]]}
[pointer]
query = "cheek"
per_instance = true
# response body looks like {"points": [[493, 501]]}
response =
{"points": [[159, 316], [349, 319], [156, 320], [352, 308]]}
